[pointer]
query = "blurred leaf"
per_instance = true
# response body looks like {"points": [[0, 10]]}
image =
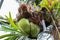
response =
{"points": [[13, 37], [54, 3], [11, 22], [58, 6], [34, 30], [7, 35], [24, 25], [57, 11], [44, 3], [1, 17], [50, 4], [9, 38], [4, 28], [3, 20], [35, 5]]}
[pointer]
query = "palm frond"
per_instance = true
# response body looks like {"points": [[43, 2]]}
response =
{"points": [[7, 35], [12, 37], [11, 22], [4, 28]]}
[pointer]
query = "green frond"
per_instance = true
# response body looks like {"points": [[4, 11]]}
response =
{"points": [[10, 20], [4, 28], [7, 35]]}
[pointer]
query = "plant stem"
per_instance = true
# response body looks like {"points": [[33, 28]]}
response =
{"points": [[53, 22]]}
